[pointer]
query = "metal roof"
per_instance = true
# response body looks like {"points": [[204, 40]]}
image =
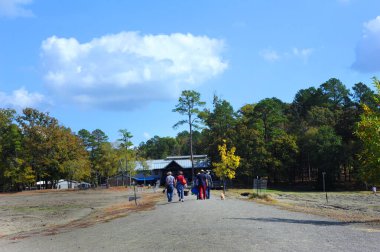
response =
{"points": [[160, 164]]}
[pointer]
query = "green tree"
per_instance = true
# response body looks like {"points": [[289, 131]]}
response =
{"points": [[159, 147], [40, 143], [12, 165], [270, 121], [97, 139], [364, 95], [183, 142], [284, 151], [319, 116], [324, 147], [250, 146], [49, 149], [220, 122], [73, 158], [270, 118], [108, 162], [188, 105], [86, 138], [125, 143], [304, 100], [335, 92]]}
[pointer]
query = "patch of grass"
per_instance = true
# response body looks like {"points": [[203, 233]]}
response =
{"points": [[263, 196]]}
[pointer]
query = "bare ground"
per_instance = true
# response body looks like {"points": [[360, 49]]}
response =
{"points": [[48, 212], [353, 207], [51, 211]]}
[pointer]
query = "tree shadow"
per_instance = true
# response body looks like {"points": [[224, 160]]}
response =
{"points": [[294, 221]]}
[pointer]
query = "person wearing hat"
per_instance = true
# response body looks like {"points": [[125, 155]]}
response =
{"points": [[209, 184], [202, 184], [170, 183], [181, 184]]}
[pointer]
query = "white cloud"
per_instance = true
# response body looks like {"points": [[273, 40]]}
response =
{"points": [[21, 98], [368, 48], [127, 69], [372, 27], [270, 55], [15, 8], [298, 53], [303, 54]]}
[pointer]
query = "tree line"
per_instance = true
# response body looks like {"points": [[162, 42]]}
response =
{"points": [[327, 129], [324, 129]]}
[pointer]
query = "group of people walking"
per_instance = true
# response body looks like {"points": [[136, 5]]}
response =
{"points": [[179, 182], [201, 187]]}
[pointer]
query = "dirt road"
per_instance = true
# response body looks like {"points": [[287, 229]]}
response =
{"points": [[213, 225]]}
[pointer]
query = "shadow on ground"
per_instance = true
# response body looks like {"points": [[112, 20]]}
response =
{"points": [[294, 221]]}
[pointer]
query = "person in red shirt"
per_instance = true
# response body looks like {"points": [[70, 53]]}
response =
{"points": [[181, 184]]}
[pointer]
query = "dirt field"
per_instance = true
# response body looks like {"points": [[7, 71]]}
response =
{"points": [[51, 211], [361, 207]]}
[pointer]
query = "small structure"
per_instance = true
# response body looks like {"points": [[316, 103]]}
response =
{"points": [[159, 168], [43, 185], [141, 179], [67, 184], [84, 185], [120, 179]]}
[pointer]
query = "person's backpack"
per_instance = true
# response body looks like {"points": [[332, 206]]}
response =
{"points": [[182, 180]]}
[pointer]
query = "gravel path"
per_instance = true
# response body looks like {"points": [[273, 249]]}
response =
{"points": [[212, 225]]}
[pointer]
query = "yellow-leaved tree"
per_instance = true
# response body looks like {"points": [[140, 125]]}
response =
{"points": [[229, 162], [368, 131]]}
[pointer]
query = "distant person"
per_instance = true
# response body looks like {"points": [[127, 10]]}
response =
{"points": [[170, 183], [202, 184], [374, 190], [209, 184], [181, 184], [194, 188]]}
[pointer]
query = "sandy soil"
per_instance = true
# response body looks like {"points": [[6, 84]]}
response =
{"points": [[51, 211]]}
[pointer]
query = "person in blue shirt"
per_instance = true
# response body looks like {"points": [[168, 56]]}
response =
{"points": [[209, 184]]}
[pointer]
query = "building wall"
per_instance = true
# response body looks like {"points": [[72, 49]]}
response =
{"points": [[67, 185]]}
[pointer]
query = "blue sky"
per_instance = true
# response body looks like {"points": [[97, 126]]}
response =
{"points": [[122, 64]]}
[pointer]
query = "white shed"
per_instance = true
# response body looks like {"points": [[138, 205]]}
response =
{"points": [[67, 184]]}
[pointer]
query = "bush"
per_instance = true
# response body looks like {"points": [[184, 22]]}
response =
{"points": [[265, 197]]}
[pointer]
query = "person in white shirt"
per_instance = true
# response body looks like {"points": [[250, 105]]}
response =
{"points": [[170, 184]]}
